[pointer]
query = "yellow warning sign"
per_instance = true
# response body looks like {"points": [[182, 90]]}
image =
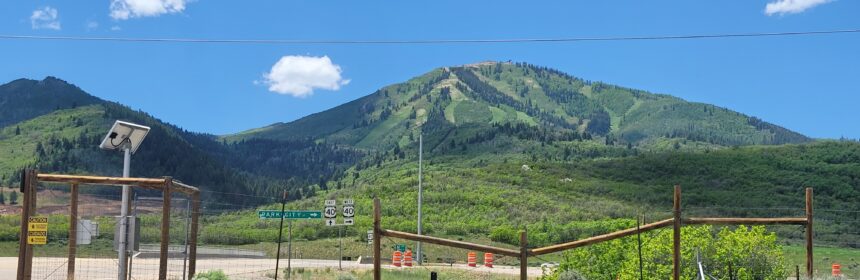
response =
{"points": [[37, 230], [37, 240], [37, 227]]}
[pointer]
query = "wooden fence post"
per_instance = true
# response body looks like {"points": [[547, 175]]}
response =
{"points": [[809, 262], [377, 244], [25, 260], [524, 256], [676, 237], [73, 232], [195, 218], [165, 228]]}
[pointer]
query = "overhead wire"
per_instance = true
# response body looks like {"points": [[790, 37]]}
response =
{"points": [[426, 41]]}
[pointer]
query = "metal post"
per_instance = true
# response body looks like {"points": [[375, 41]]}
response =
{"points": [[809, 263], [797, 271], [420, 194], [377, 244], [280, 233], [289, 248], [340, 248], [676, 238], [73, 232], [122, 258]]}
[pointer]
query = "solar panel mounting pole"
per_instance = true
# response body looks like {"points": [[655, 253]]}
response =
{"points": [[123, 229]]}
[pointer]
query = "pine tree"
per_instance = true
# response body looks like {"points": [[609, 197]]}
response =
{"points": [[17, 130]]}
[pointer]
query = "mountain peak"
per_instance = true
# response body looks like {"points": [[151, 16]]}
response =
{"points": [[23, 99], [476, 102]]}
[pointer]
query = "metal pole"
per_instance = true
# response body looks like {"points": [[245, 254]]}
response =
{"points": [[339, 248], [122, 257], [289, 248], [420, 194], [280, 232]]}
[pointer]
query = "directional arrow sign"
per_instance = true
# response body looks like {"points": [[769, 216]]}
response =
{"points": [[329, 222], [297, 214]]}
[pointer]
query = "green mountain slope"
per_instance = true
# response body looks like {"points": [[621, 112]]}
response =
{"points": [[24, 99], [461, 103], [65, 139]]}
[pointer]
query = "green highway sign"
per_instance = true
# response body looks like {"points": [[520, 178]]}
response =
{"points": [[400, 247], [297, 214]]}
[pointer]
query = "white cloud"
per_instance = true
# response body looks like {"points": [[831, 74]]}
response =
{"points": [[115, 28], [126, 9], [45, 18], [300, 75], [783, 7]]}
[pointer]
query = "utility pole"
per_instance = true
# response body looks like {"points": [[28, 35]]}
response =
{"points": [[420, 195]]}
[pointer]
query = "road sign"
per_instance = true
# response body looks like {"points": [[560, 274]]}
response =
{"points": [[37, 230], [348, 202], [348, 211], [348, 221], [296, 214], [331, 202], [330, 222], [369, 236], [330, 212]]}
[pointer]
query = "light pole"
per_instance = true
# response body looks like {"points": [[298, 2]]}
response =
{"points": [[124, 136], [420, 195]]}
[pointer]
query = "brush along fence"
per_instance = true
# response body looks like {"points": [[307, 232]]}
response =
{"points": [[524, 252]]}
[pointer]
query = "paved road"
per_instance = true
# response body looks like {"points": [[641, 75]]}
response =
{"points": [[238, 268]]}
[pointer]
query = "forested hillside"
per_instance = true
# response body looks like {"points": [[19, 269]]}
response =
{"points": [[466, 103]]}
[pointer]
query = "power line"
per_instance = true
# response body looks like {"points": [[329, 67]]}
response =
{"points": [[427, 41]]}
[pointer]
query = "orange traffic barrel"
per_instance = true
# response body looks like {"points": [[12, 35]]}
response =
{"points": [[488, 260], [407, 259], [472, 259], [395, 260], [836, 269]]}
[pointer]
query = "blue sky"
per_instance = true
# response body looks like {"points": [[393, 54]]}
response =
{"points": [[806, 83]]}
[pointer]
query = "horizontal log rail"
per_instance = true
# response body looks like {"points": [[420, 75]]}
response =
{"points": [[745, 221], [601, 238], [449, 243], [96, 180], [183, 188]]}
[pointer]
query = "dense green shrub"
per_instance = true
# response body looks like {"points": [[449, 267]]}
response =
{"points": [[753, 253]]}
